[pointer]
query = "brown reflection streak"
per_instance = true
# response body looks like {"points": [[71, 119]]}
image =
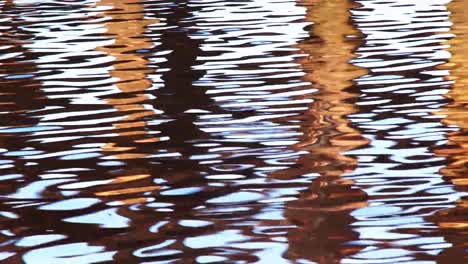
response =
{"points": [[127, 27], [322, 212], [328, 69], [453, 222]]}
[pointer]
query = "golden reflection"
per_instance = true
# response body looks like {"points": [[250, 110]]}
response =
{"points": [[322, 212], [328, 68], [128, 191], [125, 191], [456, 112], [453, 222], [130, 178], [127, 26]]}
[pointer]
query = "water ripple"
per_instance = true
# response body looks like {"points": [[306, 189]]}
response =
{"points": [[232, 131]]}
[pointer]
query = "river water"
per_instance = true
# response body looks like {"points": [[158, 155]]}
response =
{"points": [[239, 131]]}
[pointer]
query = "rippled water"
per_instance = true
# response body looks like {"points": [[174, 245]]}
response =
{"points": [[253, 131]]}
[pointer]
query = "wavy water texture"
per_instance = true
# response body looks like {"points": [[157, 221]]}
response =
{"points": [[256, 131], [404, 42]]}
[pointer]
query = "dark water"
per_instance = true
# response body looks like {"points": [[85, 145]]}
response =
{"points": [[243, 131]]}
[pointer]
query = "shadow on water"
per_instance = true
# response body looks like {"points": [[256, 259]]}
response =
{"points": [[17, 71]]}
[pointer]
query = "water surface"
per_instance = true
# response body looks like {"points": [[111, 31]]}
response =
{"points": [[256, 131]]}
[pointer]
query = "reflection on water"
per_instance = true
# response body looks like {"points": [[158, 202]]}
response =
{"points": [[236, 131], [322, 212], [403, 44], [127, 25], [453, 222]]}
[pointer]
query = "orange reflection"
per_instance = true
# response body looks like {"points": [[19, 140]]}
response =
{"points": [[327, 66], [130, 178], [127, 26], [322, 212], [453, 222]]}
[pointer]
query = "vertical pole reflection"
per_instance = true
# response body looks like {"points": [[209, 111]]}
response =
{"points": [[322, 212], [127, 26], [453, 223]]}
